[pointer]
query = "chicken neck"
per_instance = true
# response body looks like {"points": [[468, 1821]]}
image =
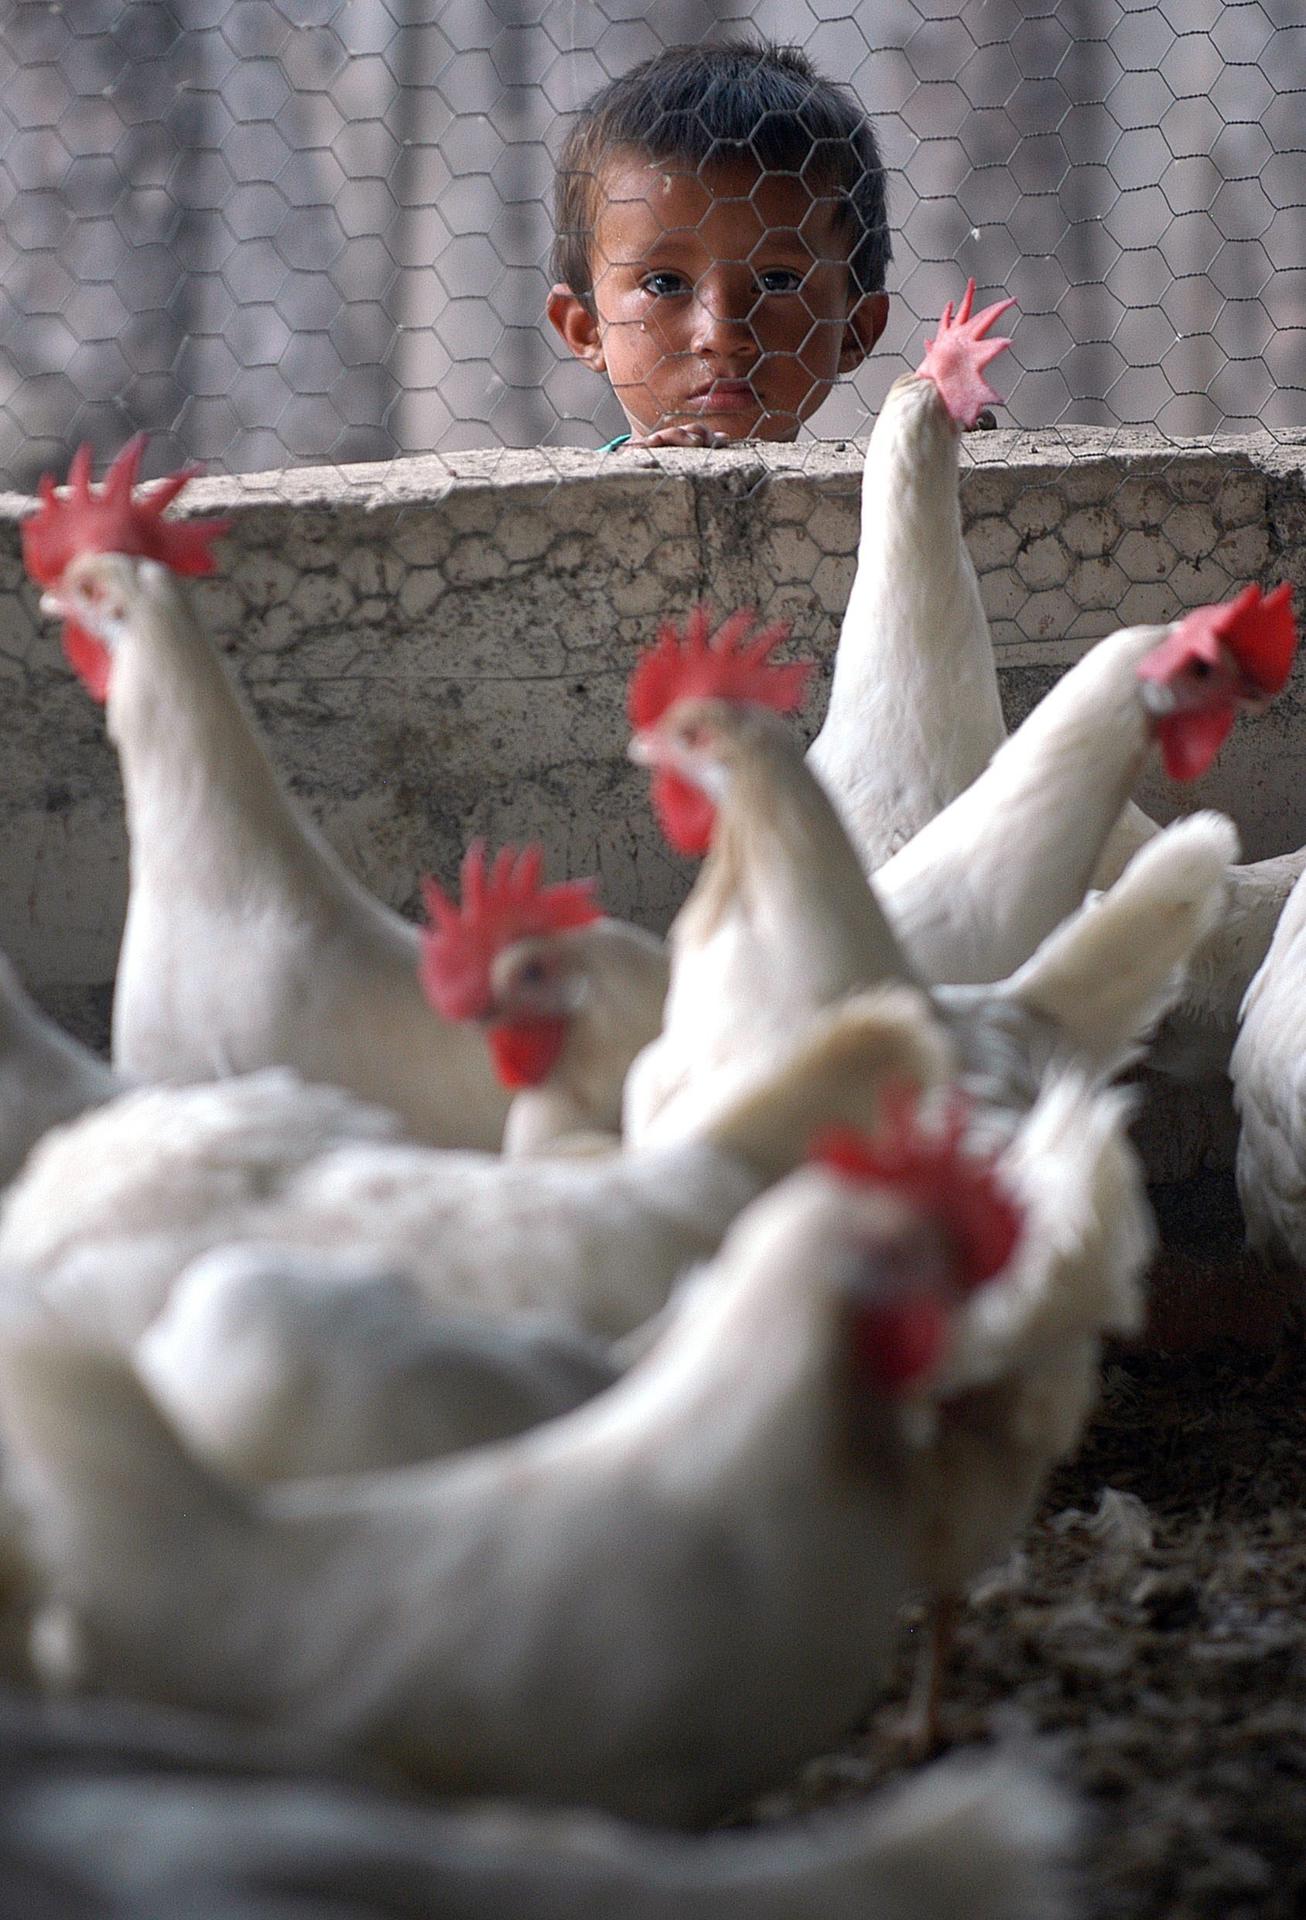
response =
{"points": [[782, 872], [914, 713], [990, 877], [205, 809]]}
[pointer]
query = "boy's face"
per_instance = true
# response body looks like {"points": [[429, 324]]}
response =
{"points": [[724, 302]]}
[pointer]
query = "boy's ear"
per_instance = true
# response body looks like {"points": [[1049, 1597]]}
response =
{"points": [[862, 329], [577, 325]]}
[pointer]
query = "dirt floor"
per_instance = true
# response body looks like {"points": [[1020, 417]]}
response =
{"points": [[1158, 1636]]}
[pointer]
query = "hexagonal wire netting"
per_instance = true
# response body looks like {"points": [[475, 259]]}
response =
{"points": [[274, 233]]}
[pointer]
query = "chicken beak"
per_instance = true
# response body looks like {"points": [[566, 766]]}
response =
{"points": [[1158, 700], [643, 750]]}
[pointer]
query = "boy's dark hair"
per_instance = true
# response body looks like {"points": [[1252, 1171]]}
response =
{"points": [[700, 105]]}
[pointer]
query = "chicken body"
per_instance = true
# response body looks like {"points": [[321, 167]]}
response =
{"points": [[1099, 985], [781, 919], [247, 943], [278, 1365], [146, 1817], [914, 718], [656, 1606], [780, 922], [1196, 1039], [914, 714], [109, 1212], [45, 1077], [987, 879], [1022, 1376], [1268, 1069]]}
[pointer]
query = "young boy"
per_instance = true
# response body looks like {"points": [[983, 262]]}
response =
{"points": [[721, 243]]}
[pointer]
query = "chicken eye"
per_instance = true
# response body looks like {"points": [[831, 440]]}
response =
{"points": [[1201, 670], [533, 974]]}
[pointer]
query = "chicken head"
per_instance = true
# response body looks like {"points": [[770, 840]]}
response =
{"points": [[488, 958]]}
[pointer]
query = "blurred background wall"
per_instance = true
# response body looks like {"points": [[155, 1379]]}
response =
{"points": [[284, 231]]}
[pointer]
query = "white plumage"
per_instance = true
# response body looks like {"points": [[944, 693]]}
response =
{"points": [[127, 1815], [1268, 1068], [233, 1300], [46, 1078], [279, 1365], [656, 1605], [110, 1211], [1022, 1376], [988, 878], [781, 921], [247, 943], [914, 715]]}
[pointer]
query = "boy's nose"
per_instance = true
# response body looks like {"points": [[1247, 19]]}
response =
{"points": [[722, 321]]}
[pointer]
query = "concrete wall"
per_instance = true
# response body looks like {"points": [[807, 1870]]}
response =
{"points": [[439, 647]]}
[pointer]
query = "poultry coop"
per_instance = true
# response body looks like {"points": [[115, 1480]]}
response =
{"points": [[307, 245]]}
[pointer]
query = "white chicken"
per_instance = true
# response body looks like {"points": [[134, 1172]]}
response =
{"points": [[46, 1078], [247, 943], [566, 995], [1197, 1036], [657, 1605], [1022, 1373], [978, 887], [110, 1211], [781, 920], [132, 1815], [279, 1365], [914, 713], [1268, 1069]]}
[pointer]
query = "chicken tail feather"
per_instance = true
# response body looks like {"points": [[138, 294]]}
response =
{"points": [[1109, 974]]}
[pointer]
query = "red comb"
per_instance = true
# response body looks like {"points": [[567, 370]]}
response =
{"points": [[933, 1172], [1259, 631], [956, 357], [501, 903], [107, 519], [733, 663]]}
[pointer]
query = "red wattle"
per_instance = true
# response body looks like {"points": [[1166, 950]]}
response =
{"points": [[1190, 741], [685, 814], [897, 1343], [89, 660], [526, 1053]]}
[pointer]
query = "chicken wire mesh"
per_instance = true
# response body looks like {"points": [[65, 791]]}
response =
{"points": [[279, 233]]}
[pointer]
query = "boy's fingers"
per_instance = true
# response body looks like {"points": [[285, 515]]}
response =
{"points": [[680, 437]]}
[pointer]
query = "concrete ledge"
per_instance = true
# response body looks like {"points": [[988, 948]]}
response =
{"points": [[439, 647]]}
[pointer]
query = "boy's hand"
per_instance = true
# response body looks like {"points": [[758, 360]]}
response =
{"points": [[693, 435]]}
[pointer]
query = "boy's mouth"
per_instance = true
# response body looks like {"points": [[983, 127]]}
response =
{"points": [[724, 396]]}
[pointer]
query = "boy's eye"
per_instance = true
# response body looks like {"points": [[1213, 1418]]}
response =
{"points": [[780, 280], [665, 283]]}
